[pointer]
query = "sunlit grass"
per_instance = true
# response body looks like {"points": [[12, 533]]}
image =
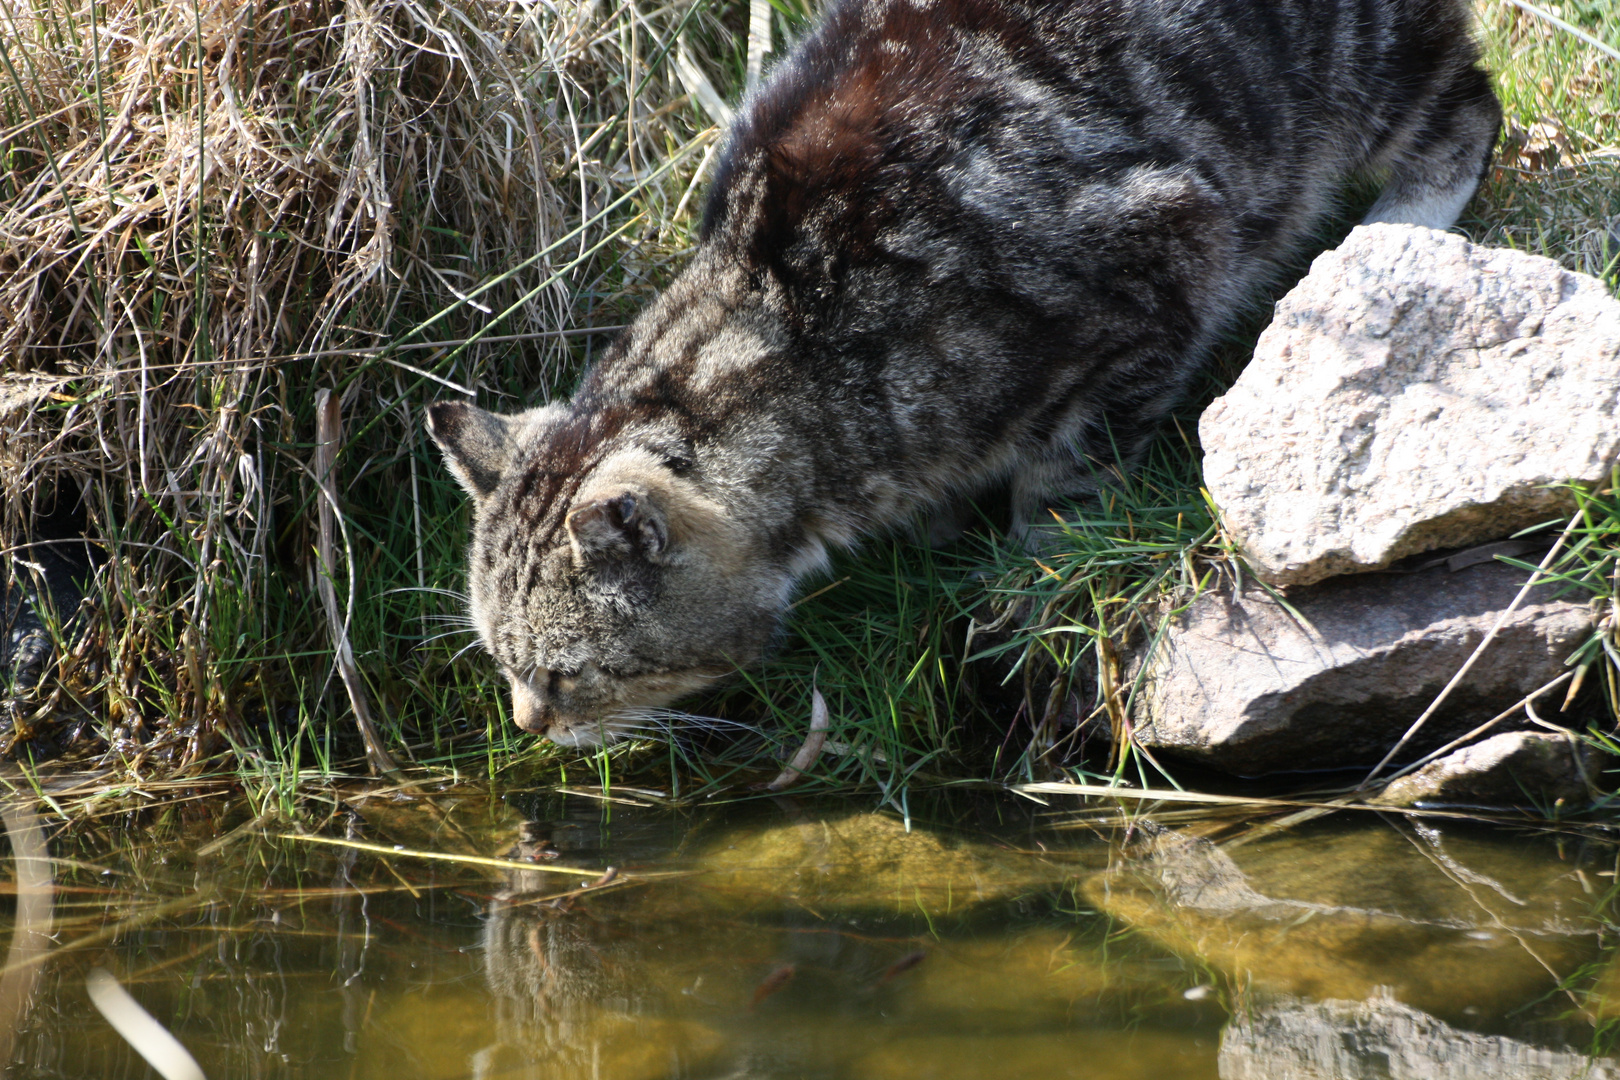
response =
{"points": [[395, 206]]}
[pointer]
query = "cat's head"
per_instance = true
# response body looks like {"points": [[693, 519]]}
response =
{"points": [[604, 577]]}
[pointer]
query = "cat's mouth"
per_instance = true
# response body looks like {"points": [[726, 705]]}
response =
{"points": [[575, 731], [644, 713], [587, 732], [582, 734]]}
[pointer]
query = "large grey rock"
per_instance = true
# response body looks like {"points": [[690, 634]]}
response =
{"points": [[1381, 1039], [1516, 768], [1413, 392], [1242, 684]]}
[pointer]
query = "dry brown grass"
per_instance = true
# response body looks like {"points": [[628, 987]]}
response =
{"points": [[210, 211]]}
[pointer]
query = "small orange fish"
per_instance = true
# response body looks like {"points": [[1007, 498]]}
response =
{"points": [[773, 982], [901, 966]]}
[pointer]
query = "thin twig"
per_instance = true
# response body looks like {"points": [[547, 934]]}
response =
{"points": [[141, 1029], [31, 929], [329, 433], [441, 856], [1312, 808], [1562, 25], [1462, 740], [1479, 650]]}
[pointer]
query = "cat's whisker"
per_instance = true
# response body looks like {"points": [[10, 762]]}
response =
{"points": [[464, 650], [455, 632], [651, 732], [458, 621], [429, 590], [460, 617], [668, 726], [672, 717]]}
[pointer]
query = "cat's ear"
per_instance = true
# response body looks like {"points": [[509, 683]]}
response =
{"points": [[621, 526], [480, 446]]}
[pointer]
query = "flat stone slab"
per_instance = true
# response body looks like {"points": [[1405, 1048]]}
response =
{"points": [[1516, 768], [1414, 392], [1243, 683]]}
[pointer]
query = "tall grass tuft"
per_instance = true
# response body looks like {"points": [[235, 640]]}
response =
{"points": [[213, 210]]}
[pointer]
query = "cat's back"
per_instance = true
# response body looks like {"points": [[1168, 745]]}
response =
{"points": [[961, 236], [894, 108], [952, 245]]}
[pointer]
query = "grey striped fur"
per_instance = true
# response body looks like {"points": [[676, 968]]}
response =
{"points": [[952, 244]]}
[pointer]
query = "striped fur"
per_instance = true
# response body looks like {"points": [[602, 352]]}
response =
{"points": [[951, 245]]}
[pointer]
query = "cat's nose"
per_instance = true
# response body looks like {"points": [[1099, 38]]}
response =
{"points": [[529, 710]]}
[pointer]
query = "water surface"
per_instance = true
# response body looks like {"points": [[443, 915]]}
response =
{"points": [[815, 938]]}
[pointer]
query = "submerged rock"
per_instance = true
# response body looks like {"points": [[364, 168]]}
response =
{"points": [[447, 1035], [1333, 678], [868, 861], [1442, 922], [821, 936], [1037, 979], [1414, 392], [1381, 1039], [1145, 1054], [1518, 768]]}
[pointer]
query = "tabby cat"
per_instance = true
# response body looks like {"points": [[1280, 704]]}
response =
{"points": [[951, 245]]}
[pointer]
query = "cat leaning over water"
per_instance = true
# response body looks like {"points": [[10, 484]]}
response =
{"points": [[951, 245]]}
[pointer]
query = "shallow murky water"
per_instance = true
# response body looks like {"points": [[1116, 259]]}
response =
{"points": [[819, 939]]}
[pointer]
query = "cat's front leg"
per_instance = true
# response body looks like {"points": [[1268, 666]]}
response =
{"points": [[1038, 490]]}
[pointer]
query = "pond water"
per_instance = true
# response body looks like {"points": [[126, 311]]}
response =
{"points": [[814, 938]]}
